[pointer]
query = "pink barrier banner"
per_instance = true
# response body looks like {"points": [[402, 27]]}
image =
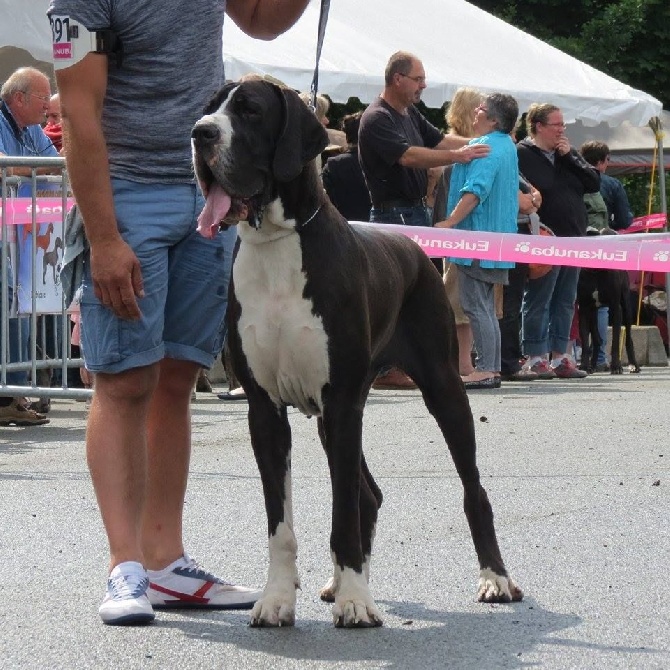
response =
{"points": [[647, 251], [649, 222], [20, 210]]}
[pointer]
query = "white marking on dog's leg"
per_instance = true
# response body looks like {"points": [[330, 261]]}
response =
{"points": [[277, 605], [354, 606], [495, 588], [329, 589]]}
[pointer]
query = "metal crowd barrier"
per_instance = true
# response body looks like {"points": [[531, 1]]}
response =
{"points": [[24, 288]]}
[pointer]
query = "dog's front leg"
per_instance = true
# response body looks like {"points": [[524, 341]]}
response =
{"points": [[271, 440], [354, 518]]}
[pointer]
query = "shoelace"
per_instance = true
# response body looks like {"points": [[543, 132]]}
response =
{"points": [[193, 566], [128, 586]]}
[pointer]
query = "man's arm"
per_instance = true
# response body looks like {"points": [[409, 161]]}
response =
{"points": [[265, 19], [26, 171], [422, 157], [115, 269]]}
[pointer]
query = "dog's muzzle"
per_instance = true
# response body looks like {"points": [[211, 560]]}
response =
{"points": [[221, 209]]}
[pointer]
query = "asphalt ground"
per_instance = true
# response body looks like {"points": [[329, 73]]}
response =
{"points": [[578, 472]]}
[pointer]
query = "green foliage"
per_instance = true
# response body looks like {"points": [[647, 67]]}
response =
{"points": [[638, 187], [627, 39], [338, 110]]}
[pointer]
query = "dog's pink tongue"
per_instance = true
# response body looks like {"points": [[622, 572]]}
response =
{"points": [[215, 209]]}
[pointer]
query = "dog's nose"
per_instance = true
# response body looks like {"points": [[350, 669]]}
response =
{"points": [[205, 133]]}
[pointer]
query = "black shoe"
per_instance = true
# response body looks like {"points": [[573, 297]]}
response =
{"points": [[229, 395], [488, 383]]}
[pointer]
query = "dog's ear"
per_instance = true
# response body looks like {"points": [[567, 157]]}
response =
{"points": [[302, 137]]}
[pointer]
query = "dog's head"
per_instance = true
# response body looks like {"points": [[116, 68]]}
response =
{"points": [[253, 137]]}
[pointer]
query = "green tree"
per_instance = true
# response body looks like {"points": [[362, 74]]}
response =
{"points": [[627, 39]]}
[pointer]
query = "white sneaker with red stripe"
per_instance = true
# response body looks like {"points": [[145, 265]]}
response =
{"points": [[185, 585]]}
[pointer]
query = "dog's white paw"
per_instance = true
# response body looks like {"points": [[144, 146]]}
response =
{"points": [[495, 588], [356, 614], [354, 606], [274, 609]]}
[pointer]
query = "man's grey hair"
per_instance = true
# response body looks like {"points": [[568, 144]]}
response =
{"points": [[503, 109], [21, 80], [400, 63]]}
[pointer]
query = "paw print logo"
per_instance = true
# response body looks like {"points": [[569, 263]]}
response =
{"points": [[662, 256], [522, 247]]}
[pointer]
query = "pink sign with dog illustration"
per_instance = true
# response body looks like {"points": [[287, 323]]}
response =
{"points": [[38, 272]]}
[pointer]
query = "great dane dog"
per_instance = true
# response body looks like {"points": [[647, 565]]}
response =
{"points": [[317, 306]]}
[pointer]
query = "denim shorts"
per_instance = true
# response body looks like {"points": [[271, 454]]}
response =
{"points": [[185, 283]]}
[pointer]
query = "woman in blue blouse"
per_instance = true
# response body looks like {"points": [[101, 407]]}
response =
{"points": [[483, 196]]}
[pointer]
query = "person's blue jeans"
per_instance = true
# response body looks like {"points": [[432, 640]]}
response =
{"points": [[548, 308], [477, 299], [403, 216]]}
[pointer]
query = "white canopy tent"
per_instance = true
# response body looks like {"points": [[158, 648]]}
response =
{"points": [[459, 45], [632, 149], [25, 36]]}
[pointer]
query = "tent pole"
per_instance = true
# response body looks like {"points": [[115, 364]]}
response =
{"points": [[664, 207]]}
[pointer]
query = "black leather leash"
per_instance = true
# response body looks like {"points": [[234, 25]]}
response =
{"points": [[323, 20]]}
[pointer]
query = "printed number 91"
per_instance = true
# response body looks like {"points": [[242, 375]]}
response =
{"points": [[60, 29]]}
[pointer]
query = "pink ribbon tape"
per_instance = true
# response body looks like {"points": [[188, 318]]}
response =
{"points": [[646, 251]]}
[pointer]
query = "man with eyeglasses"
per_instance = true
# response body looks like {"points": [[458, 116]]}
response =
{"points": [[24, 100], [24, 104], [551, 165], [396, 147]]}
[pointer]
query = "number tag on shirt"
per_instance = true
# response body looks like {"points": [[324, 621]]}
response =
{"points": [[71, 41]]}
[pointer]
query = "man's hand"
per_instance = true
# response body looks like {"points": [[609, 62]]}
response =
{"points": [[471, 152], [446, 223], [117, 278]]}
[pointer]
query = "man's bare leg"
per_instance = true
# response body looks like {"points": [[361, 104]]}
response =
{"points": [[464, 336], [116, 447], [168, 454]]}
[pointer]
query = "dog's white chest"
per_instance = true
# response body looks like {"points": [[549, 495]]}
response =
{"points": [[284, 342]]}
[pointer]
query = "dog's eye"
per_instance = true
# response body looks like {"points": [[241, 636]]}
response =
{"points": [[248, 109]]}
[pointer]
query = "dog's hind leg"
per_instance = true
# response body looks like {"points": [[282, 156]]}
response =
{"points": [[271, 441], [447, 401], [627, 323], [356, 500]]}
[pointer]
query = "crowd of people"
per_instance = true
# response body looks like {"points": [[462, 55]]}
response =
{"points": [[153, 295], [512, 325]]}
